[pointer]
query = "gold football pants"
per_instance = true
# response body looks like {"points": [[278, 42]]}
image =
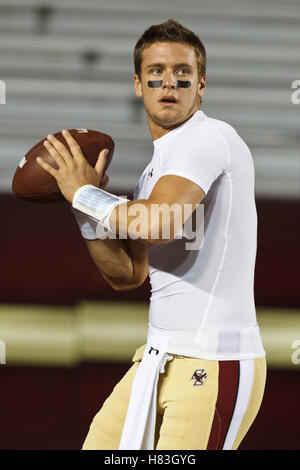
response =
{"points": [[201, 404]]}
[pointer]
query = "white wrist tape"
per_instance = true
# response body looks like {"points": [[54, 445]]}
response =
{"points": [[87, 225], [96, 203]]}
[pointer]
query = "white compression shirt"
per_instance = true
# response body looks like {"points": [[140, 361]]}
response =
{"points": [[207, 292]]}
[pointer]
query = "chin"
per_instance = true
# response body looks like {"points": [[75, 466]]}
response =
{"points": [[169, 113]]}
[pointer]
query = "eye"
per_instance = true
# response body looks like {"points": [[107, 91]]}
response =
{"points": [[184, 70], [153, 70], [156, 71]]}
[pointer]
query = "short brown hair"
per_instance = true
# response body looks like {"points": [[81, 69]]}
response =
{"points": [[170, 31]]}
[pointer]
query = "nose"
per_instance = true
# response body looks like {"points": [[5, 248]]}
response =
{"points": [[169, 81]]}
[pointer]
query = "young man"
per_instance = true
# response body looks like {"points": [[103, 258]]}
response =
{"points": [[198, 382]]}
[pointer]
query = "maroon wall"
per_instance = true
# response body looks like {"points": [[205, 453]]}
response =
{"points": [[45, 260], [277, 270]]}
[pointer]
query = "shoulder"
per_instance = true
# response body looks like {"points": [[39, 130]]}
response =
{"points": [[209, 131], [202, 137], [221, 127]]}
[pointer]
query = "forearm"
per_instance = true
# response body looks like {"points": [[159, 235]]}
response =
{"points": [[125, 219], [122, 263], [113, 260], [145, 221], [140, 219]]}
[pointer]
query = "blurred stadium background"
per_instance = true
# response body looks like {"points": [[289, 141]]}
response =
{"points": [[69, 337]]}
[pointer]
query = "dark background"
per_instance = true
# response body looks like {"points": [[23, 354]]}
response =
{"points": [[44, 260]]}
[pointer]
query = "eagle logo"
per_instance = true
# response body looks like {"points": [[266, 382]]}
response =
{"points": [[199, 376]]}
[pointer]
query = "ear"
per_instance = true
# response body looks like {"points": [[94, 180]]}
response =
{"points": [[138, 86], [202, 86]]}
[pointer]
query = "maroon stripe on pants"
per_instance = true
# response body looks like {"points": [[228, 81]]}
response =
{"points": [[227, 393]]}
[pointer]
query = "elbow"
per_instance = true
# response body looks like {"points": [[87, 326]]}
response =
{"points": [[124, 287], [131, 283], [125, 283], [158, 241], [160, 234], [155, 225]]}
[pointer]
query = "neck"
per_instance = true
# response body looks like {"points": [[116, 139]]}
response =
{"points": [[158, 131]]}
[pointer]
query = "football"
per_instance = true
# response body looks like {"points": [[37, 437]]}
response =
{"points": [[33, 183]]}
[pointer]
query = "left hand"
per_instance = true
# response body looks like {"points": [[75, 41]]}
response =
{"points": [[73, 168]]}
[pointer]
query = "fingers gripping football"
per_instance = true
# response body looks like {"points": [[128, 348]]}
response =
{"points": [[73, 170]]}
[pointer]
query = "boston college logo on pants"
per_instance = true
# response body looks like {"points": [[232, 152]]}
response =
{"points": [[199, 376]]}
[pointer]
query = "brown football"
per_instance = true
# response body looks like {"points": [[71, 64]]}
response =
{"points": [[33, 183]]}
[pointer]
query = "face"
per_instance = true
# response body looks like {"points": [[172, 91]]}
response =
{"points": [[169, 62]]}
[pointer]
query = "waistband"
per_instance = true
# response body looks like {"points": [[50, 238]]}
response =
{"points": [[220, 345]]}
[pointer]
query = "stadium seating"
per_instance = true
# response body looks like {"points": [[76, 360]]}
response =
{"points": [[70, 64]]}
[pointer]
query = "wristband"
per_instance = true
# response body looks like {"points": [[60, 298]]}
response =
{"points": [[96, 203], [91, 229], [86, 224]]}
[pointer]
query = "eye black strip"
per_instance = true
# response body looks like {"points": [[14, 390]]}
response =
{"points": [[158, 83], [154, 83], [183, 84]]}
